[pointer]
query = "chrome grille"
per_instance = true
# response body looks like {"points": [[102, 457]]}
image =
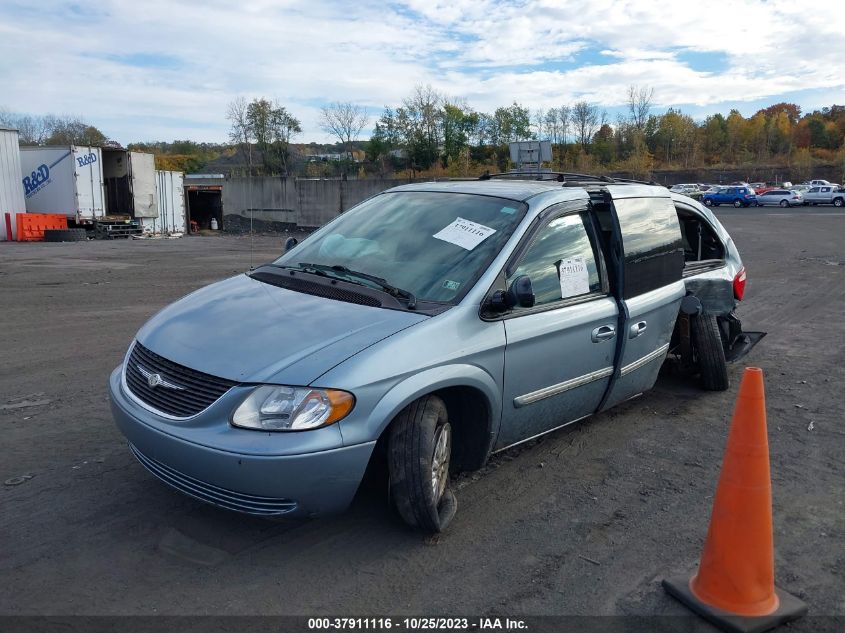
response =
{"points": [[238, 501], [170, 388]]}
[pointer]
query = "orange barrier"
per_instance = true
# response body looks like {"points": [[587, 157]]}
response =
{"points": [[31, 226], [735, 584]]}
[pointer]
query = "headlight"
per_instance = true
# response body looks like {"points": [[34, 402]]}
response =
{"points": [[274, 408]]}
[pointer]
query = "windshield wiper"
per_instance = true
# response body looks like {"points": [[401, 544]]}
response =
{"points": [[347, 272]]}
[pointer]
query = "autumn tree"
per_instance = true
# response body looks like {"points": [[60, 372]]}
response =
{"points": [[344, 121], [585, 121], [603, 145], [715, 137], [639, 105], [459, 124], [272, 127], [240, 132], [418, 121], [734, 126], [511, 123]]}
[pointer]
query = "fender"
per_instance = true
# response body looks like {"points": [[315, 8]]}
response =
{"points": [[420, 384], [716, 294]]}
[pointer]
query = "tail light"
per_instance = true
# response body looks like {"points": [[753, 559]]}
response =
{"points": [[739, 284]]}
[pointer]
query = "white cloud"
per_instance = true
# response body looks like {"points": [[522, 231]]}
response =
{"points": [[305, 53]]}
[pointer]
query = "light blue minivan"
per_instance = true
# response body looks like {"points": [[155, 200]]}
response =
{"points": [[432, 324]]}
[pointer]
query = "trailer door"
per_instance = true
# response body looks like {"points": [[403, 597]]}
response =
{"points": [[143, 182], [88, 170]]}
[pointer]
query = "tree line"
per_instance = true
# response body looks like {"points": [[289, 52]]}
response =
{"points": [[52, 129], [430, 133]]}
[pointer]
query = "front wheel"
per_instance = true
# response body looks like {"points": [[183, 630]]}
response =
{"points": [[709, 354], [737, 203], [838, 202], [708, 202], [419, 456]]}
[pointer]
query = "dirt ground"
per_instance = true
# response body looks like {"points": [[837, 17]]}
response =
{"points": [[585, 521]]}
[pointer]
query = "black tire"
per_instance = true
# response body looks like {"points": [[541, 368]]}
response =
{"points": [[784, 203], [708, 202], [838, 202], [65, 235], [738, 203], [423, 499], [709, 352]]}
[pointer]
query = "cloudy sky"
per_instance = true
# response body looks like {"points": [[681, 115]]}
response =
{"points": [[166, 69]]}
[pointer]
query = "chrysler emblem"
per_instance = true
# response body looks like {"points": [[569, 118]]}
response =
{"points": [[155, 380]]}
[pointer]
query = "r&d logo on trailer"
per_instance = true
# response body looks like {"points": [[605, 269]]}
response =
{"points": [[87, 159], [36, 180]]}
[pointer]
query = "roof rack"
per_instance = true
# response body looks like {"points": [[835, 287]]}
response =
{"points": [[567, 178]]}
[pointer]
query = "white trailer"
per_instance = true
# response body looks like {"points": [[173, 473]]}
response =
{"points": [[65, 179], [170, 197], [11, 190], [130, 183]]}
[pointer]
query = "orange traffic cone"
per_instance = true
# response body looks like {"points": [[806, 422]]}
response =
{"points": [[735, 584]]}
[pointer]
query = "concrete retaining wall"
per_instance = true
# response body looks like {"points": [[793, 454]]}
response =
{"points": [[278, 204]]}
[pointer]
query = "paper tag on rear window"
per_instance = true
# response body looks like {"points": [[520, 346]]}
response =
{"points": [[574, 277], [464, 233]]}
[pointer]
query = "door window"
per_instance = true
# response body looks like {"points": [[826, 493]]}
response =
{"points": [[651, 240], [561, 261]]}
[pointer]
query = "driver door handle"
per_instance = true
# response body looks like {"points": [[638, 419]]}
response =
{"points": [[603, 333]]}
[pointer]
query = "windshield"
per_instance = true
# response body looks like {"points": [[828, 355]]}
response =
{"points": [[433, 245]]}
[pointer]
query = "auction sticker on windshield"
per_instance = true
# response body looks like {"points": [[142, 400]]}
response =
{"points": [[464, 233]]}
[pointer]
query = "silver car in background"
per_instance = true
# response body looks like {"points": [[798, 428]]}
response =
{"points": [[825, 194], [780, 198]]}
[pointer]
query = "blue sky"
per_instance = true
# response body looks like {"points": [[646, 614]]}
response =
{"points": [[166, 69]]}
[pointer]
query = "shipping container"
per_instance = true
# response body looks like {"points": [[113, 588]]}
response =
{"points": [[130, 183], [11, 188], [65, 179], [170, 196]]}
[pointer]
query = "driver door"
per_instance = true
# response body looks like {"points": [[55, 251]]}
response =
{"points": [[559, 353]]}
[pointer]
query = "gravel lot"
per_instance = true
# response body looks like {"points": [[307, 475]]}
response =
{"points": [[584, 521]]}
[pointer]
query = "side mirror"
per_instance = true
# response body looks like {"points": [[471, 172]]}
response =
{"points": [[290, 243], [520, 293]]}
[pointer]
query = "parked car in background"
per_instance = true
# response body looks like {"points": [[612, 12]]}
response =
{"points": [[825, 195], [427, 327], [737, 196], [780, 197], [761, 187], [705, 187], [821, 183], [690, 189]]}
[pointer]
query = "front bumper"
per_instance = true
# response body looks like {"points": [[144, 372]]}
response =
{"points": [[308, 484]]}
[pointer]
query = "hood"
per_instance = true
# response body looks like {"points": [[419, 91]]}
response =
{"points": [[249, 331]]}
